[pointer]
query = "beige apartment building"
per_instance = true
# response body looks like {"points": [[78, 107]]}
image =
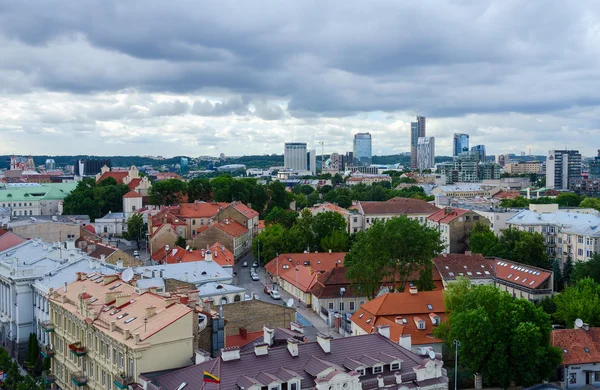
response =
{"points": [[103, 334], [523, 167]]}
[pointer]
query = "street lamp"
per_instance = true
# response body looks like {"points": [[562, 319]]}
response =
{"points": [[343, 322], [456, 344]]}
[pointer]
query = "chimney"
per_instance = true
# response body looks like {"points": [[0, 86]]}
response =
{"points": [[384, 330], [586, 327], [119, 263], [296, 327], [208, 256], [406, 341], [292, 345], [380, 383], [324, 342], [468, 253], [126, 333], [150, 311], [261, 349], [136, 338], [202, 356], [330, 251], [398, 377], [231, 353], [202, 251], [65, 288], [112, 326], [268, 335], [413, 290]]}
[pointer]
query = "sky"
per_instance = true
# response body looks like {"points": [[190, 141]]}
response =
{"points": [[195, 78]]}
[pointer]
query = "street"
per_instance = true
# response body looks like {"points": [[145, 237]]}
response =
{"points": [[313, 324]]}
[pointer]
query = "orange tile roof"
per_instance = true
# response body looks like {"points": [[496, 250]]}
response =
{"points": [[10, 239], [447, 215], [321, 261], [506, 194], [134, 183], [220, 255], [239, 340], [167, 175], [119, 176], [520, 274], [132, 194], [230, 227], [392, 307], [573, 341], [200, 209], [326, 206], [247, 211]]}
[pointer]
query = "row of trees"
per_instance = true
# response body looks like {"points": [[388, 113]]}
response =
{"points": [[95, 200], [580, 300], [14, 379], [564, 199]]}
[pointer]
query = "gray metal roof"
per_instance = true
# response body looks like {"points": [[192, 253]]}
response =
{"points": [[570, 222]]}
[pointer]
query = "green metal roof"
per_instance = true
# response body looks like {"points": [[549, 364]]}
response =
{"points": [[51, 191]]}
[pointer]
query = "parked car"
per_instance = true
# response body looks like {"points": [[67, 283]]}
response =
{"points": [[275, 294], [252, 270], [254, 277], [255, 264], [136, 254], [245, 264], [267, 290]]}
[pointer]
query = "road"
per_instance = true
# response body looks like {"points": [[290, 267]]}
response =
{"points": [[313, 324]]}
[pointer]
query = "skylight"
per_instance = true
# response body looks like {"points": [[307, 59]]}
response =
{"points": [[532, 282], [451, 273], [469, 273], [509, 276], [429, 306], [586, 349], [565, 351], [369, 321], [361, 315], [487, 272], [524, 280], [130, 319], [517, 278], [121, 316]]}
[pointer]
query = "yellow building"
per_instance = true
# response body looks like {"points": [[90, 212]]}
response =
{"points": [[103, 334], [523, 167]]}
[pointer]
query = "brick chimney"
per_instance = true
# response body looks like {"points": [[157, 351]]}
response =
{"points": [[150, 311]]}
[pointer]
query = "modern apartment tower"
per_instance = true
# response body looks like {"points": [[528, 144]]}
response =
{"points": [[480, 150], [294, 156], [425, 153], [561, 167], [312, 161], [461, 144], [417, 130], [90, 167], [184, 166], [362, 149]]}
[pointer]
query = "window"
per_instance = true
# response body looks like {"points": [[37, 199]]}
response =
{"points": [[361, 371], [341, 306], [395, 366], [377, 369], [330, 305], [274, 387], [531, 229], [131, 366], [580, 252], [103, 377], [580, 239], [421, 325], [429, 306], [121, 360], [352, 306]]}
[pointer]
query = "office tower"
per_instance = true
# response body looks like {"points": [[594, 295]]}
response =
{"points": [[425, 153], [561, 167], [90, 167], [312, 161], [594, 172], [417, 129], [183, 166], [480, 150], [294, 156], [362, 149], [461, 144], [50, 164]]}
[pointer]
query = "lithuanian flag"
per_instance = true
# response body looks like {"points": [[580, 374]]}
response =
{"points": [[208, 377]]}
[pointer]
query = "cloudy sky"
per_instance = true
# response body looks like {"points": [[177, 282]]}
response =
{"points": [[242, 77]]}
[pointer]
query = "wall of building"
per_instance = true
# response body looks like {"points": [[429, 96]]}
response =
{"points": [[460, 231], [254, 314], [576, 376], [166, 236], [48, 231], [212, 235]]}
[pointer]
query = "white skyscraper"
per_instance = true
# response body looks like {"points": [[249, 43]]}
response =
{"points": [[425, 153], [294, 156], [312, 161]]}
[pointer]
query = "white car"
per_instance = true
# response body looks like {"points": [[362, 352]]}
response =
{"points": [[245, 264], [136, 253], [255, 264], [275, 294], [254, 277]]}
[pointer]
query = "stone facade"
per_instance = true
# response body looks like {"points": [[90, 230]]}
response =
{"points": [[254, 314], [48, 231]]}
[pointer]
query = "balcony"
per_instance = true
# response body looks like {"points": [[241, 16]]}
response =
{"points": [[77, 349], [47, 326], [48, 377], [122, 380], [47, 351], [79, 379]]}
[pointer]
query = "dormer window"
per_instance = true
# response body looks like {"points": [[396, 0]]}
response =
{"points": [[378, 369], [394, 366], [361, 371], [276, 386], [295, 385]]}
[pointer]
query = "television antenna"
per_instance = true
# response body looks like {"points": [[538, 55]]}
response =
{"points": [[290, 302], [127, 275]]}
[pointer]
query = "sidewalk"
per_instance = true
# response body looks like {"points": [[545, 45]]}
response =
{"points": [[317, 322]]}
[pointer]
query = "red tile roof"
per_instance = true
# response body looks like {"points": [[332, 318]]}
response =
{"points": [[506, 194], [134, 183], [398, 206], [10, 239], [117, 175], [231, 227], [167, 175], [520, 274], [220, 255], [200, 209], [473, 266], [261, 224], [239, 340], [573, 341], [447, 215], [326, 206], [247, 211], [90, 228], [132, 194]]}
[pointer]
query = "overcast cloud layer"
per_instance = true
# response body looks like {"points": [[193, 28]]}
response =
{"points": [[242, 77]]}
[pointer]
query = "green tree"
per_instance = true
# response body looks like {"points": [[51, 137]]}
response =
{"points": [[519, 201], [271, 241], [391, 251], [326, 223], [95, 200], [593, 203], [180, 242], [313, 199], [337, 179], [590, 268], [221, 186], [302, 236], [336, 241], [199, 189], [259, 198], [567, 270], [240, 191], [279, 196], [568, 199], [325, 189], [579, 301], [558, 276], [136, 229], [497, 333], [483, 240], [286, 218], [167, 192]]}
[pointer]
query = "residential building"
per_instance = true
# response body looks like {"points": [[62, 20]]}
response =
{"points": [[425, 153], [131, 178], [335, 162], [523, 167], [294, 156], [455, 226], [473, 266], [353, 219], [107, 253], [132, 203], [236, 237], [112, 224], [594, 167], [364, 362], [460, 144], [417, 129], [105, 334], [580, 350], [297, 273], [411, 313], [412, 208], [573, 233], [90, 167], [47, 229], [194, 216], [362, 149], [497, 216], [586, 187], [460, 192], [561, 167], [312, 161], [480, 150], [367, 179], [488, 171], [216, 252], [32, 199], [467, 168]]}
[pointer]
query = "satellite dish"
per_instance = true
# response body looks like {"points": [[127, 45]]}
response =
{"points": [[578, 323], [431, 354], [127, 275], [290, 302]]}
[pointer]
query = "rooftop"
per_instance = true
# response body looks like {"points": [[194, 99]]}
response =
{"points": [[398, 206], [247, 211], [231, 227], [447, 215], [577, 345], [472, 266], [309, 266], [200, 209], [520, 274], [570, 222], [196, 272], [217, 253]]}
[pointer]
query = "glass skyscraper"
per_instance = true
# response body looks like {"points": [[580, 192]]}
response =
{"points": [[417, 130], [362, 149], [461, 144], [183, 166], [480, 150]]}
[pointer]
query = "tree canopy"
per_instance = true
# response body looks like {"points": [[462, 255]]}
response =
{"points": [[584, 269], [391, 252], [136, 229], [579, 301], [95, 200], [167, 192], [498, 333], [199, 189]]}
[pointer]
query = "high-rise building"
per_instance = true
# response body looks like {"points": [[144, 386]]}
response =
{"points": [[425, 153], [50, 164], [594, 172], [466, 168], [90, 167], [294, 156], [480, 150], [183, 166], [347, 160], [561, 167], [460, 144], [417, 130], [312, 161], [362, 149]]}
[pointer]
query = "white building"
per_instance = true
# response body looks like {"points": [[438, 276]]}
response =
{"points": [[294, 156], [561, 167], [426, 153], [312, 161], [111, 224]]}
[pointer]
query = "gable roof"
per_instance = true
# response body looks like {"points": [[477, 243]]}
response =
{"points": [[520, 274], [398, 206], [573, 341], [132, 194], [230, 227], [177, 254], [200, 209], [119, 176], [247, 211], [134, 183], [447, 215], [473, 266], [9, 240]]}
